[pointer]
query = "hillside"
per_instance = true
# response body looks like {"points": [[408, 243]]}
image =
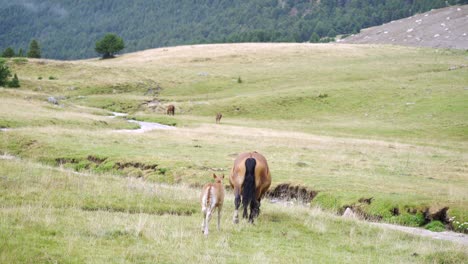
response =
{"points": [[69, 29], [441, 28]]}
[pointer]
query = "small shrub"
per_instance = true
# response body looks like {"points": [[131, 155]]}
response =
{"points": [[409, 219], [239, 80], [162, 171], [435, 226], [39, 78], [52, 78], [321, 96], [14, 83]]}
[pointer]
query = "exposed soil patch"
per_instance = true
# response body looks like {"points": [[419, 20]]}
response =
{"points": [[285, 191], [96, 160], [436, 215], [137, 165], [358, 210], [395, 211], [62, 161], [366, 200]]}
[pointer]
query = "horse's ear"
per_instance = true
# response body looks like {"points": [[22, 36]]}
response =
{"points": [[222, 177], [214, 175]]}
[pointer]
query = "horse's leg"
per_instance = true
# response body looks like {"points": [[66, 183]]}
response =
{"points": [[208, 218], [204, 222], [254, 210], [245, 214], [219, 217], [237, 202]]}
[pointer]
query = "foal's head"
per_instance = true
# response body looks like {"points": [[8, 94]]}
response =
{"points": [[218, 179]]}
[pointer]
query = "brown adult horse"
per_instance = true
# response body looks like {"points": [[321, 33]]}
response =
{"points": [[218, 118], [250, 177], [170, 109]]}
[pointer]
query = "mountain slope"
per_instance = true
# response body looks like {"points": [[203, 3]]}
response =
{"points": [[68, 29], [441, 28]]}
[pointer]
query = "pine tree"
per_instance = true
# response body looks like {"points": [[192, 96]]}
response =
{"points": [[8, 53], [4, 73], [20, 53], [34, 50], [14, 83], [314, 38]]}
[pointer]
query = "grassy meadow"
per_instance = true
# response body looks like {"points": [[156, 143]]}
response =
{"points": [[347, 121]]}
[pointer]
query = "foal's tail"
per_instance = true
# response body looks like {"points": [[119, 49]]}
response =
{"points": [[248, 187]]}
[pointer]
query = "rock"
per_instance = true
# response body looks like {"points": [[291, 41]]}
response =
{"points": [[52, 100], [348, 213]]}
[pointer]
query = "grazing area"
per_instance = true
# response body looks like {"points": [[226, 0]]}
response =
{"points": [[379, 129], [52, 214]]}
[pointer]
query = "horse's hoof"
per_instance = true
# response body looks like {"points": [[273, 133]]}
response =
{"points": [[235, 221]]}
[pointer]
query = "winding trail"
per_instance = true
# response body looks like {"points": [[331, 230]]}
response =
{"points": [[445, 235], [144, 126]]}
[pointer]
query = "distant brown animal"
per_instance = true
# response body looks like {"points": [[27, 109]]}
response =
{"points": [[218, 118], [170, 109], [251, 178], [212, 197]]}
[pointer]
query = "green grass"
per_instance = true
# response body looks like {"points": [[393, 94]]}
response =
{"points": [[392, 127], [46, 217]]}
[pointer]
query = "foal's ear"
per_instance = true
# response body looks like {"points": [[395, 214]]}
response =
{"points": [[222, 177], [214, 175]]}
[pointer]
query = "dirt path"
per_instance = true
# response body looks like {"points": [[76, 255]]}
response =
{"points": [[445, 235]]}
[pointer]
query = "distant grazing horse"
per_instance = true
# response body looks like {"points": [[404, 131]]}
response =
{"points": [[212, 197], [170, 109], [250, 178], [218, 118]]}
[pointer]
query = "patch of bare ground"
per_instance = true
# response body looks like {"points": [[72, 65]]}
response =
{"points": [[445, 235], [286, 192]]}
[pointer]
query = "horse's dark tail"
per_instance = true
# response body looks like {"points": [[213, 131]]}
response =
{"points": [[248, 187]]}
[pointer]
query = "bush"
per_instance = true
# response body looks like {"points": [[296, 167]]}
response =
{"points": [[14, 83], [8, 53], [109, 45], [435, 226], [4, 73], [52, 78]]}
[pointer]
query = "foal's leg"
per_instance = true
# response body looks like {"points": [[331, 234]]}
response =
{"points": [[237, 202], [219, 217], [208, 218], [204, 222]]}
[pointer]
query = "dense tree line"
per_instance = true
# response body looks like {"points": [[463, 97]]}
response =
{"points": [[69, 29]]}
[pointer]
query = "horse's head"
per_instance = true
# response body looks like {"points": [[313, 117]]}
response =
{"points": [[218, 179]]}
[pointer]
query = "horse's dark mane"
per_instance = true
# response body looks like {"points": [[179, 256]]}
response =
{"points": [[248, 187]]}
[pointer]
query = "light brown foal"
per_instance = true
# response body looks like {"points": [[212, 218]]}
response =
{"points": [[212, 197]]}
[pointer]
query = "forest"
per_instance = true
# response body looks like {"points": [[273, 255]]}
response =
{"points": [[68, 29]]}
